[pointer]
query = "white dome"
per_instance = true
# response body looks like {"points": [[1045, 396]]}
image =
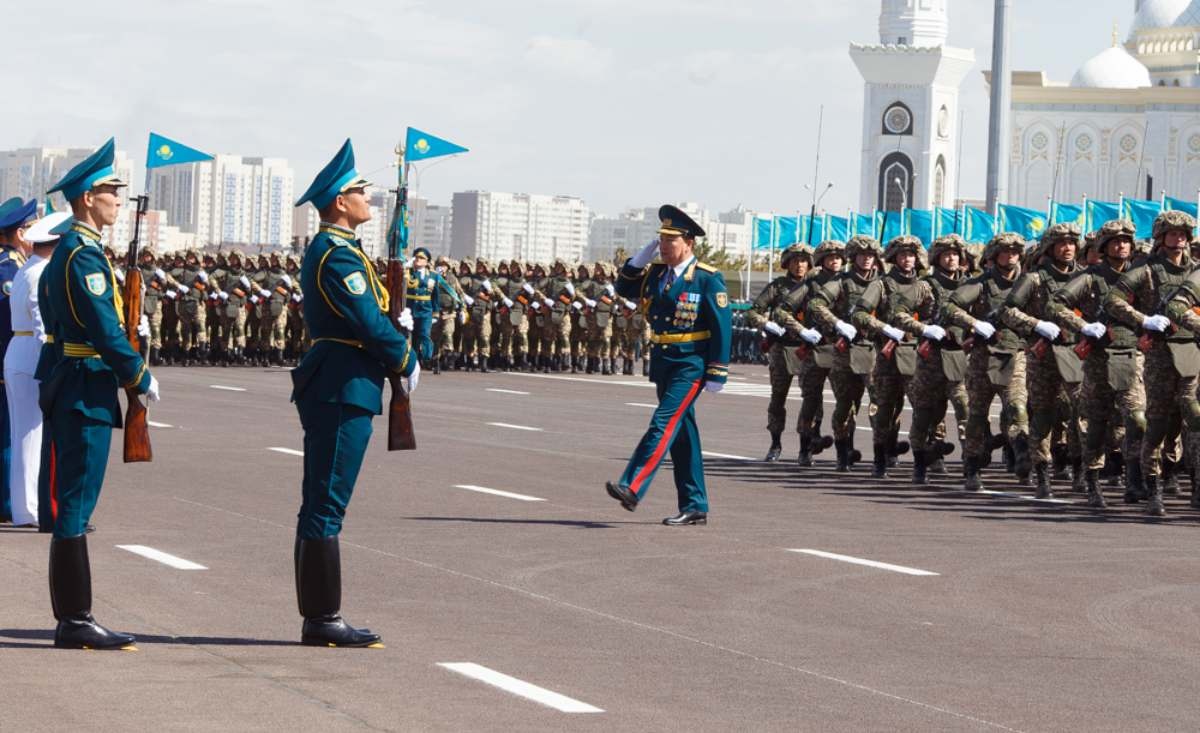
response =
{"points": [[1112, 68], [1166, 14]]}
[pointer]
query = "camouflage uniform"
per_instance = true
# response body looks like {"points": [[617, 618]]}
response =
{"points": [[513, 320], [600, 291], [578, 336], [1054, 376], [829, 309], [192, 309], [481, 297], [157, 283], [553, 318], [628, 325], [1112, 368], [536, 275], [296, 341], [234, 308], [445, 320], [996, 366], [279, 284], [170, 326]]}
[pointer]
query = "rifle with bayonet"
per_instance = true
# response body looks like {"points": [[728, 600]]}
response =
{"points": [[137, 428], [401, 434]]}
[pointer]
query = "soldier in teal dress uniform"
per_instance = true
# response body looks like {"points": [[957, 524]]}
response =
{"points": [[687, 307], [424, 287], [15, 216], [79, 395], [338, 389]]}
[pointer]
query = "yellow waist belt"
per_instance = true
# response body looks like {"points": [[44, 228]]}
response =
{"points": [[49, 338], [680, 338], [79, 351], [349, 342], [420, 297], [22, 333]]}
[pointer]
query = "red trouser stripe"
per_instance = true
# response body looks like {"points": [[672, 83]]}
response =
{"points": [[53, 483], [661, 449]]}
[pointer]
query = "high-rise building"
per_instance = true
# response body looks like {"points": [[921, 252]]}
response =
{"points": [[430, 226], [518, 226], [28, 172]]}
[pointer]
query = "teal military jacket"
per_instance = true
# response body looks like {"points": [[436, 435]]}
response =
{"points": [[423, 290], [355, 344], [86, 318], [691, 321]]}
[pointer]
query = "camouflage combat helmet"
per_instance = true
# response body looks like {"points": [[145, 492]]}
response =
{"points": [[514, 267], [1066, 231], [1089, 242], [826, 248], [148, 251], [796, 250], [947, 243], [293, 261], [1002, 241], [482, 262], [1113, 230], [863, 244], [902, 243], [1172, 221], [191, 252], [559, 262]]}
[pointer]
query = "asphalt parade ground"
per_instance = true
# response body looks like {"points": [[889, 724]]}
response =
{"points": [[513, 594]]}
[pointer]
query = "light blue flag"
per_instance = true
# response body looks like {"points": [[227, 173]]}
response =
{"points": [[1066, 214], [946, 221], [1173, 204], [836, 227], [888, 226], [919, 223], [814, 230], [422, 146], [1099, 212], [1142, 214], [787, 231], [980, 226], [863, 224], [762, 233], [1029, 223], [163, 151]]}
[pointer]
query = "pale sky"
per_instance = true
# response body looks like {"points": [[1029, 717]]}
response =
{"points": [[626, 103]]}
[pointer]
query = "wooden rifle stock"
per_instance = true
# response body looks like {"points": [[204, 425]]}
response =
{"points": [[137, 427], [401, 434]]}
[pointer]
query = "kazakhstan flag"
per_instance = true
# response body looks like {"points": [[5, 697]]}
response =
{"points": [[787, 231], [1066, 214], [947, 221], [1099, 212], [163, 151], [919, 223], [1142, 214], [1029, 223], [890, 224], [422, 146], [981, 226], [1174, 204], [862, 224], [763, 231], [836, 227]]}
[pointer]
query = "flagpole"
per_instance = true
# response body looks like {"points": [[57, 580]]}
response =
{"points": [[771, 251]]}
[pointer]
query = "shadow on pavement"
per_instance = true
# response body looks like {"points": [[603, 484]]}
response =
{"points": [[47, 636], [575, 523]]}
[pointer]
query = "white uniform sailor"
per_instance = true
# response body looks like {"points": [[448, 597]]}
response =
{"points": [[24, 414]]}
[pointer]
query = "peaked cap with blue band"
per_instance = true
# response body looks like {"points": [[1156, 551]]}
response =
{"points": [[15, 212], [95, 170], [336, 177]]}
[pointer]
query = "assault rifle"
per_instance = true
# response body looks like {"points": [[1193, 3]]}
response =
{"points": [[137, 428], [401, 434]]}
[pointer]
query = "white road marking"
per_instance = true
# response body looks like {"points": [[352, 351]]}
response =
{"points": [[287, 451], [520, 688], [730, 456], [868, 429], [515, 427], [153, 424], [642, 404], [227, 389], [506, 391], [166, 559], [867, 563], [498, 492], [1022, 497]]}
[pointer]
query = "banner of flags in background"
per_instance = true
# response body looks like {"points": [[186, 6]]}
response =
{"points": [[972, 224]]}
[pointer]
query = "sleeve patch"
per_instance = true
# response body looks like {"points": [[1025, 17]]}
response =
{"points": [[8, 287], [96, 283], [356, 283], [722, 300]]}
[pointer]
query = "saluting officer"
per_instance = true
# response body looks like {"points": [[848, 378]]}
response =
{"points": [[423, 286], [688, 308], [83, 311], [338, 389]]}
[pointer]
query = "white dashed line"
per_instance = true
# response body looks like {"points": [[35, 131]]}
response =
{"points": [[642, 404], [288, 451], [506, 391], [153, 424], [515, 427], [159, 556], [498, 492], [730, 456], [520, 688], [867, 563], [1022, 497], [227, 389]]}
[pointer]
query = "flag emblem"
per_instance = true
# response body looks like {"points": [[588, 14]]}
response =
{"points": [[1038, 224], [355, 283], [164, 152], [422, 146], [95, 283]]}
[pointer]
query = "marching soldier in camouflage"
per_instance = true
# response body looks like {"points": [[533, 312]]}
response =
{"points": [[480, 296], [445, 316], [513, 319], [942, 365], [996, 361], [216, 269], [1112, 366], [829, 312], [554, 318], [279, 285], [885, 312], [1172, 358], [193, 297], [236, 296], [582, 281], [796, 261], [629, 323], [599, 295], [1053, 368], [535, 276], [170, 326], [296, 342], [157, 282]]}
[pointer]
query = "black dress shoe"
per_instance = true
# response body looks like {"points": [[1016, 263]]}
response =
{"points": [[684, 518], [82, 632], [623, 495], [334, 631]]}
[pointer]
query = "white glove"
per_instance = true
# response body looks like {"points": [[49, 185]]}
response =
{"points": [[1158, 324], [254, 299], [610, 290], [845, 329], [1047, 330], [468, 300], [143, 328], [590, 303], [984, 329], [631, 305], [297, 297], [159, 274], [934, 333], [170, 295], [120, 275], [203, 276], [213, 296], [244, 281], [714, 387], [287, 280], [487, 285], [893, 333], [774, 328], [570, 289], [181, 290], [264, 294], [535, 306], [527, 288], [408, 263], [462, 317], [1094, 330], [549, 303], [405, 319], [810, 335], [410, 382], [577, 305], [644, 256], [223, 296], [508, 303], [152, 391]]}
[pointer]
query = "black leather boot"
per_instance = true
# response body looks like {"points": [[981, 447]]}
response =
{"points": [[483, 364], [1154, 498], [843, 455], [1095, 497], [628, 370], [775, 449], [437, 365], [319, 594], [1135, 487], [972, 481], [1078, 482], [71, 599], [154, 358], [805, 459], [919, 474], [880, 461], [1059, 462], [1042, 471], [1022, 464], [1170, 478]]}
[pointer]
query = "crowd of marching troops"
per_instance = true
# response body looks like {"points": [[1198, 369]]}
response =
{"points": [[1088, 342], [230, 308]]}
